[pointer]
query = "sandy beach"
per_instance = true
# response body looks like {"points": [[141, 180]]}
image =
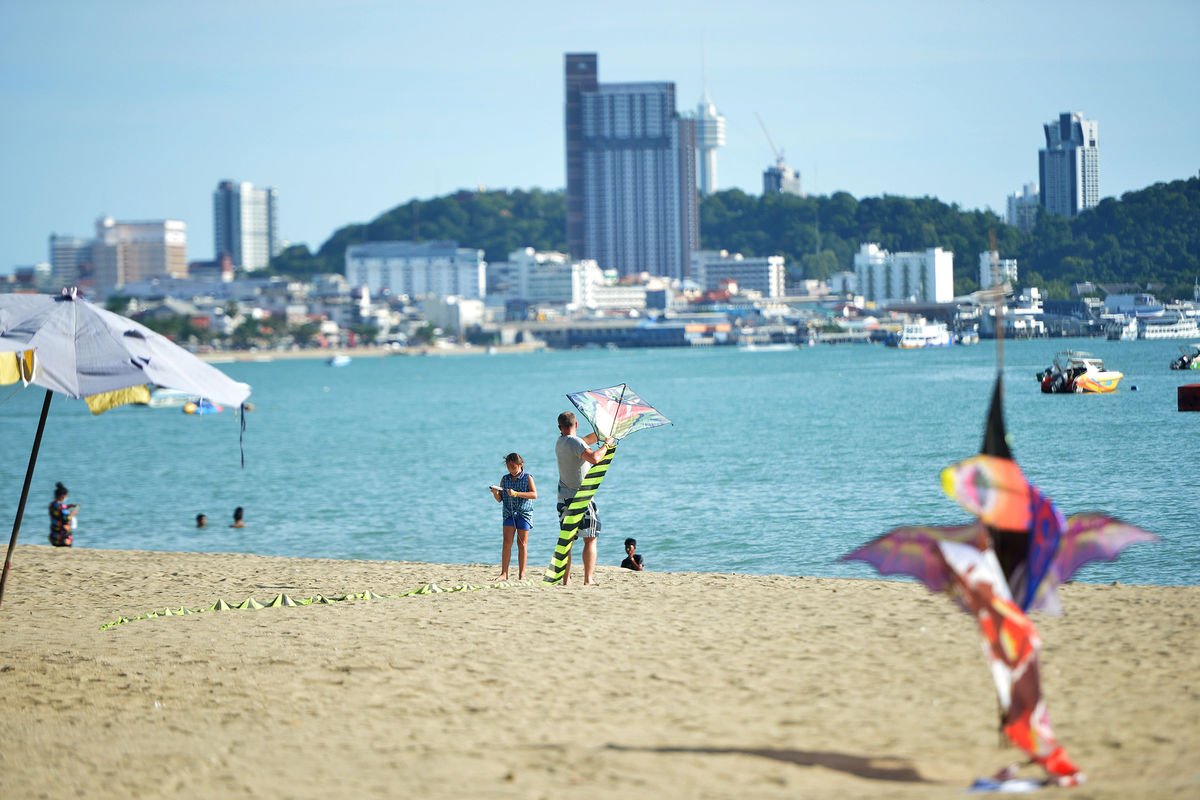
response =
{"points": [[649, 685]]}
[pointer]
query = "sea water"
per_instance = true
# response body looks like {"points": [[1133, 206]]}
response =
{"points": [[777, 462]]}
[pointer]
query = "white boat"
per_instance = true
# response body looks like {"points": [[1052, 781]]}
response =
{"points": [[1169, 326], [340, 360], [920, 334], [170, 398], [1121, 329], [766, 347]]}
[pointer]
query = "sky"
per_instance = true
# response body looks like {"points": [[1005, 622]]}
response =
{"points": [[138, 108]]}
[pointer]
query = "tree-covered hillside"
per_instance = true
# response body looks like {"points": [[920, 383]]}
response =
{"points": [[1151, 236]]}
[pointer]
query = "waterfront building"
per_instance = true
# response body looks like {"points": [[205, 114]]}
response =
{"points": [[70, 259], [127, 252], [781, 179], [762, 274], [438, 269], [1023, 207], [632, 201], [1069, 165], [246, 224], [885, 278], [994, 270], [710, 134]]}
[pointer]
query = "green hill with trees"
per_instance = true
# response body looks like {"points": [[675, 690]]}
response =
{"points": [[1149, 237]]}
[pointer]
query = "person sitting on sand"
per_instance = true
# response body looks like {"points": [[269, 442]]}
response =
{"points": [[633, 560], [517, 492], [237, 518], [62, 514]]}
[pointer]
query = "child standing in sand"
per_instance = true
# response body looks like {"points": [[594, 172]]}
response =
{"points": [[516, 493]]}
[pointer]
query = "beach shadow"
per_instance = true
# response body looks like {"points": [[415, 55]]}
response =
{"points": [[875, 768]]}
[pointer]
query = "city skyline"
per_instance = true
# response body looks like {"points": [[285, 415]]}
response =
{"points": [[137, 110]]}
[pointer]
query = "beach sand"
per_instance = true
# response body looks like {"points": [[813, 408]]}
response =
{"points": [[649, 685]]}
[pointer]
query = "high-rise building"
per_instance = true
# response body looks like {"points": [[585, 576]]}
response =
{"points": [[70, 259], [125, 252], [1069, 165], [885, 277], [1023, 208], [246, 224], [710, 134], [632, 201], [781, 179]]}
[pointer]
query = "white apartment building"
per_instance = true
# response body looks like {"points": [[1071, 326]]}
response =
{"points": [[425, 269], [762, 274], [1023, 207], [69, 255], [126, 252], [1005, 269], [885, 277]]}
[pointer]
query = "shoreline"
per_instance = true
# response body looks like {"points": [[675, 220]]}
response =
{"points": [[262, 356], [651, 684]]}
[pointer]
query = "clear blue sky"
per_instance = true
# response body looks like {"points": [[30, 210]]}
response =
{"points": [[137, 109]]}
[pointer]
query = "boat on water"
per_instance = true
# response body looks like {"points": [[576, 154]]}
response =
{"points": [[765, 347], [920, 334], [340, 360], [1076, 372], [1121, 328], [1173, 325], [161, 397], [1189, 357]]}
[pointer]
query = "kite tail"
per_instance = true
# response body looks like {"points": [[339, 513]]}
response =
{"points": [[573, 515]]}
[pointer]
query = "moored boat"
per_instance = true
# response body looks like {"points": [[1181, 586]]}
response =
{"points": [[920, 334], [1189, 357], [1076, 372]]}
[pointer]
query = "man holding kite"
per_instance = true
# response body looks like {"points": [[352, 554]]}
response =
{"points": [[575, 455]]}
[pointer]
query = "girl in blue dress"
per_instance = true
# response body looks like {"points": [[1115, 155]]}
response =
{"points": [[516, 493]]}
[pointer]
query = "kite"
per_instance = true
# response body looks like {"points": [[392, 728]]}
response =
{"points": [[1008, 562], [613, 413]]}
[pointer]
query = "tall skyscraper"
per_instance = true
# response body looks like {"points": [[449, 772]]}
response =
{"points": [[246, 224], [1069, 166], [632, 202], [710, 134]]}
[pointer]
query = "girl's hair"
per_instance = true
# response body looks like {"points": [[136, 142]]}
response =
{"points": [[514, 458], [237, 513], [60, 491]]}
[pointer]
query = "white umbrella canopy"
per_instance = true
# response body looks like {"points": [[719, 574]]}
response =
{"points": [[81, 350]]}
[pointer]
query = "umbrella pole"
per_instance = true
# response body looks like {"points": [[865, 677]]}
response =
{"points": [[37, 443]]}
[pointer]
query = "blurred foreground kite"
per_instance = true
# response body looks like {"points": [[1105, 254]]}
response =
{"points": [[1010, 561], [613, 413]]}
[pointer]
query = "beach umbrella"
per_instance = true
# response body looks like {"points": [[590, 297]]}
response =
{"points": [[86, 352]]}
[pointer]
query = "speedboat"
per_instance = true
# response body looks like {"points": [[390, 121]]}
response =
{"points": [[1189, 357], [340, 360], [919, 334], [1076, 372]]}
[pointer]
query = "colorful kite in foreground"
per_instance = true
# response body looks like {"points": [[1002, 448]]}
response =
{"points": [[1008, 562], [613, 413]]}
